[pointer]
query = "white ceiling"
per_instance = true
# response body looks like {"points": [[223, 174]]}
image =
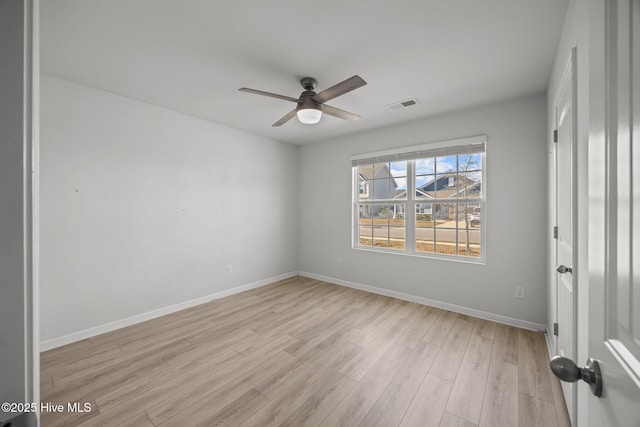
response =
{"points": [[192, 56]]}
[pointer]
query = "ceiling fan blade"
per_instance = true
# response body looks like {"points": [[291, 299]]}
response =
{"points": [[341, 114], [340, 89], [272, 95], [285, 119]]}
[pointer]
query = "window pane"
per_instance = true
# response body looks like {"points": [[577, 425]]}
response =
{"points": [[381, 214], [424, 216], [469, 242], [365, 225], [469, 229], [444, 214], [366, 171], [445, 185], [446, 164], [398, 169], [446, 241], [424, 239], [363, 188], [470, 184], [424, 228], [382, 225], [382, 189], [425, 166], [425, 186], [469, 162], [396, 237]]}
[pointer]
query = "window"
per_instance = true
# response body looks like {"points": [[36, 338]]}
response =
{"points": [[426, 200]]}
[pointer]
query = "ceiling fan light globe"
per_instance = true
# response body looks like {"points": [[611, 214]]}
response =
{"points": [[309, 116], [309, 112]]}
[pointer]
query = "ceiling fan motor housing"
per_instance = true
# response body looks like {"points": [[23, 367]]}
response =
{"points": [[309, 83], [307, 104]]}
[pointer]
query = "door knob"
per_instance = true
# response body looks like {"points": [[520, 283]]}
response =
{"points": [[564, 269], [566, 370]]}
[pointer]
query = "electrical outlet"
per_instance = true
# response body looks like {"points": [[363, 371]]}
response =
{"points": [[519, 293], [229, 269], [339, 261]]}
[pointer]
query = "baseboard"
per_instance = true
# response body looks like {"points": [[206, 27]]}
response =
{"points": [[524, 324], [112, 326]]}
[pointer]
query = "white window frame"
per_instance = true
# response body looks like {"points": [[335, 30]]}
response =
{"points": [[435, 149]]}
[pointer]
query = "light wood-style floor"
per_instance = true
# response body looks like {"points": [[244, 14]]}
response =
{"points": [[303, 352]]}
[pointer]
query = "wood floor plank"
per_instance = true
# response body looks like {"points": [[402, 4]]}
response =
{"points": [[439, 332], [93, 359], [53, 360], [392, 318], [232, 415], [534, 412], [302, 352], [361, 398], [500, 403], [143, 391], [311, 338], [419, 328], [46, 383], [95, 383], [156, 341], [297, 395], [450, 420], [296, 325], [427, 406], [320, 403], [204, 351], [533, 372], [485, 328], [257, 369], [448, 361], [388, 334], [369, 355], [505, 344], [331, 355], [471, 380], [170, 384], [195, 405], [119, 419], [391, 406], [562, 415]]}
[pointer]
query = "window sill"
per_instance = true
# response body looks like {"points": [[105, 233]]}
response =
{"points": [[466, 260]]}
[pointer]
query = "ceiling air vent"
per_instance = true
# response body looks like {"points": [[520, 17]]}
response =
{"points": [[402, 104]]}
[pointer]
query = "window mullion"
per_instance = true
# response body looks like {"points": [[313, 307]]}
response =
{"points": [[410, 209], [355, 235]]}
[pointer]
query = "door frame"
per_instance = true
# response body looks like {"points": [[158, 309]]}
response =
{"points": [[19, 86], [569, 78]]}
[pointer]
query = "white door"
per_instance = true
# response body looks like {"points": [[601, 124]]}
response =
{"points": [[614, 211], [565, 260], [19, 355]]}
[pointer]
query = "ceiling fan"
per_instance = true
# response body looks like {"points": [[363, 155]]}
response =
{"points": [[311, 105]]}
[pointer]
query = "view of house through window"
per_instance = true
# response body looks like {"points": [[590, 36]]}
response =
{"points": [[427, 200]]}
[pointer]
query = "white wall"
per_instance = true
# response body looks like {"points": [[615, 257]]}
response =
{"points": [[143, 208], [516, 213]]}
